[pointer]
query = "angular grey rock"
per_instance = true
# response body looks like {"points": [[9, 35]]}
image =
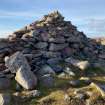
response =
{"points": [[5, 50], [26, 50], [16, 61], [2, 75], [26, 78], [36, 53], [41, 45], [54, 61], [34, 33], [28, 56], [50, 54], [18, 64], [25, 36], [5, 99], [6, 58], [76, 33], [57, 40], [9, 76], [4, 72], [57, 47], [57, 68], [102, 56], [44, 36], [77, 63], [41, 62], [67, 52], [75, 38]]}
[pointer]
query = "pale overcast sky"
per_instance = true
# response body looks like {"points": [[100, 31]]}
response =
{"points": [[87, 15]]}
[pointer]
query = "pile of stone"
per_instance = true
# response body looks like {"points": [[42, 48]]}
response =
{"points": [[44, 48]]}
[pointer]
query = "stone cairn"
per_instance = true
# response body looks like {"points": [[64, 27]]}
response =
{"points": [[46, 47]]}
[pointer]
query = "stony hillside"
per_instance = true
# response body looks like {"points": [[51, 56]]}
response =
{"points": [[100, 40], [51, 58]]}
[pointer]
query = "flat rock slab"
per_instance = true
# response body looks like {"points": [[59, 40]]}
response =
{"points": [[50, 54], [57, 40], [41, 45], [57, 47]]}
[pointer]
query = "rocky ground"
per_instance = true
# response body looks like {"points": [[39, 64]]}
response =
{"points": [[100, 40], [50, 62]]}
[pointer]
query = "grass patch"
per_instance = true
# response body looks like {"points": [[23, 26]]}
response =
{"points": [[94, 71], [55, 93]]}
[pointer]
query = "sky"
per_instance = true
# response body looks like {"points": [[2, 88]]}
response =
{"points": [[87, 15]]}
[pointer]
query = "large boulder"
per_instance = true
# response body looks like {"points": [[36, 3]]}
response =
{"points": [[16, 61], [26, 78], [18, 64]]}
